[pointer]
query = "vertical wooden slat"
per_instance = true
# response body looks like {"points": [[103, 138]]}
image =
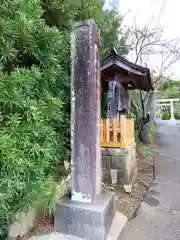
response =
{"points": [[118, 130], [114, 131], [122, 129], [128, 131], [133, 137], [104, 130], [125, 131], [107, 131]]}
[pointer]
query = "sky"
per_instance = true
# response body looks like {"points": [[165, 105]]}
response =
{"points": [[146, 10]]}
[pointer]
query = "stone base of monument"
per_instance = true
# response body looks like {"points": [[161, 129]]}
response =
{"points": [[122, 163], [85, 220]]}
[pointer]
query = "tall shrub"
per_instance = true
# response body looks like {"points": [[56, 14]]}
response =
{"points": [[31, 116], [35, 94]]}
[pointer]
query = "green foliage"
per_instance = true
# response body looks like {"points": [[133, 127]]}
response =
{"points": [[152, 133], [112, 34], [169, 83], [142, 121], [136, 109], [147, 151], [177, 115], [63, 14], [33, 127], [170, 88], [170, 93], [108, 188], [143, 149], [35, 95], [4, 231], [166, 116]]}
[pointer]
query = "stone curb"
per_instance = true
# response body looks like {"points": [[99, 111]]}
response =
{"points": [[117, 226]]}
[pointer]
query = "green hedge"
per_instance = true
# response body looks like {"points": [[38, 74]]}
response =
{"points": [[177, 116], [166, 116], [32, 116]]}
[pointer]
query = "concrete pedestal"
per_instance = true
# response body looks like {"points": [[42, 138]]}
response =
{"points": [[86, 220]]}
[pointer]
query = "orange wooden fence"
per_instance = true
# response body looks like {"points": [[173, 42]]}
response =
{"points": [[117, 134]]}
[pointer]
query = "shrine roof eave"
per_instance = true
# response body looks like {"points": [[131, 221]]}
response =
{"points": [[140, 76]]}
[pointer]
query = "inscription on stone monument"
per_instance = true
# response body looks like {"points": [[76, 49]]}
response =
{"points": [[85, 124]]}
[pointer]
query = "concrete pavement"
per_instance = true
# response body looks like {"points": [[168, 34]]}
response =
{"points": [[159, 215]]}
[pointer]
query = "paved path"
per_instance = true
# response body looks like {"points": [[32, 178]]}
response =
{"points": [[159, 215]]}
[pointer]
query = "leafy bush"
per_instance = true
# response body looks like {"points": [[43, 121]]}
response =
{"points": [[177, 116], [147, 151], [166, 116], [152, 132], [33, 137], [35, 95]]}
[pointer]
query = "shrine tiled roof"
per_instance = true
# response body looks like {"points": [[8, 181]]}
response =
{"points": [[137, 76]]}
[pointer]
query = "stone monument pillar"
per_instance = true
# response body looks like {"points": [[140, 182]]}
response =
{"points": [[85, 113], [89, 213]]}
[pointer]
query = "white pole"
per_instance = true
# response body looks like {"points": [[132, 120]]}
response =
{"points": [[172, 111]]}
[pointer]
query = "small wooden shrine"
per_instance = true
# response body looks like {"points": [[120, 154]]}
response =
{"points": [[118, 76]]}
